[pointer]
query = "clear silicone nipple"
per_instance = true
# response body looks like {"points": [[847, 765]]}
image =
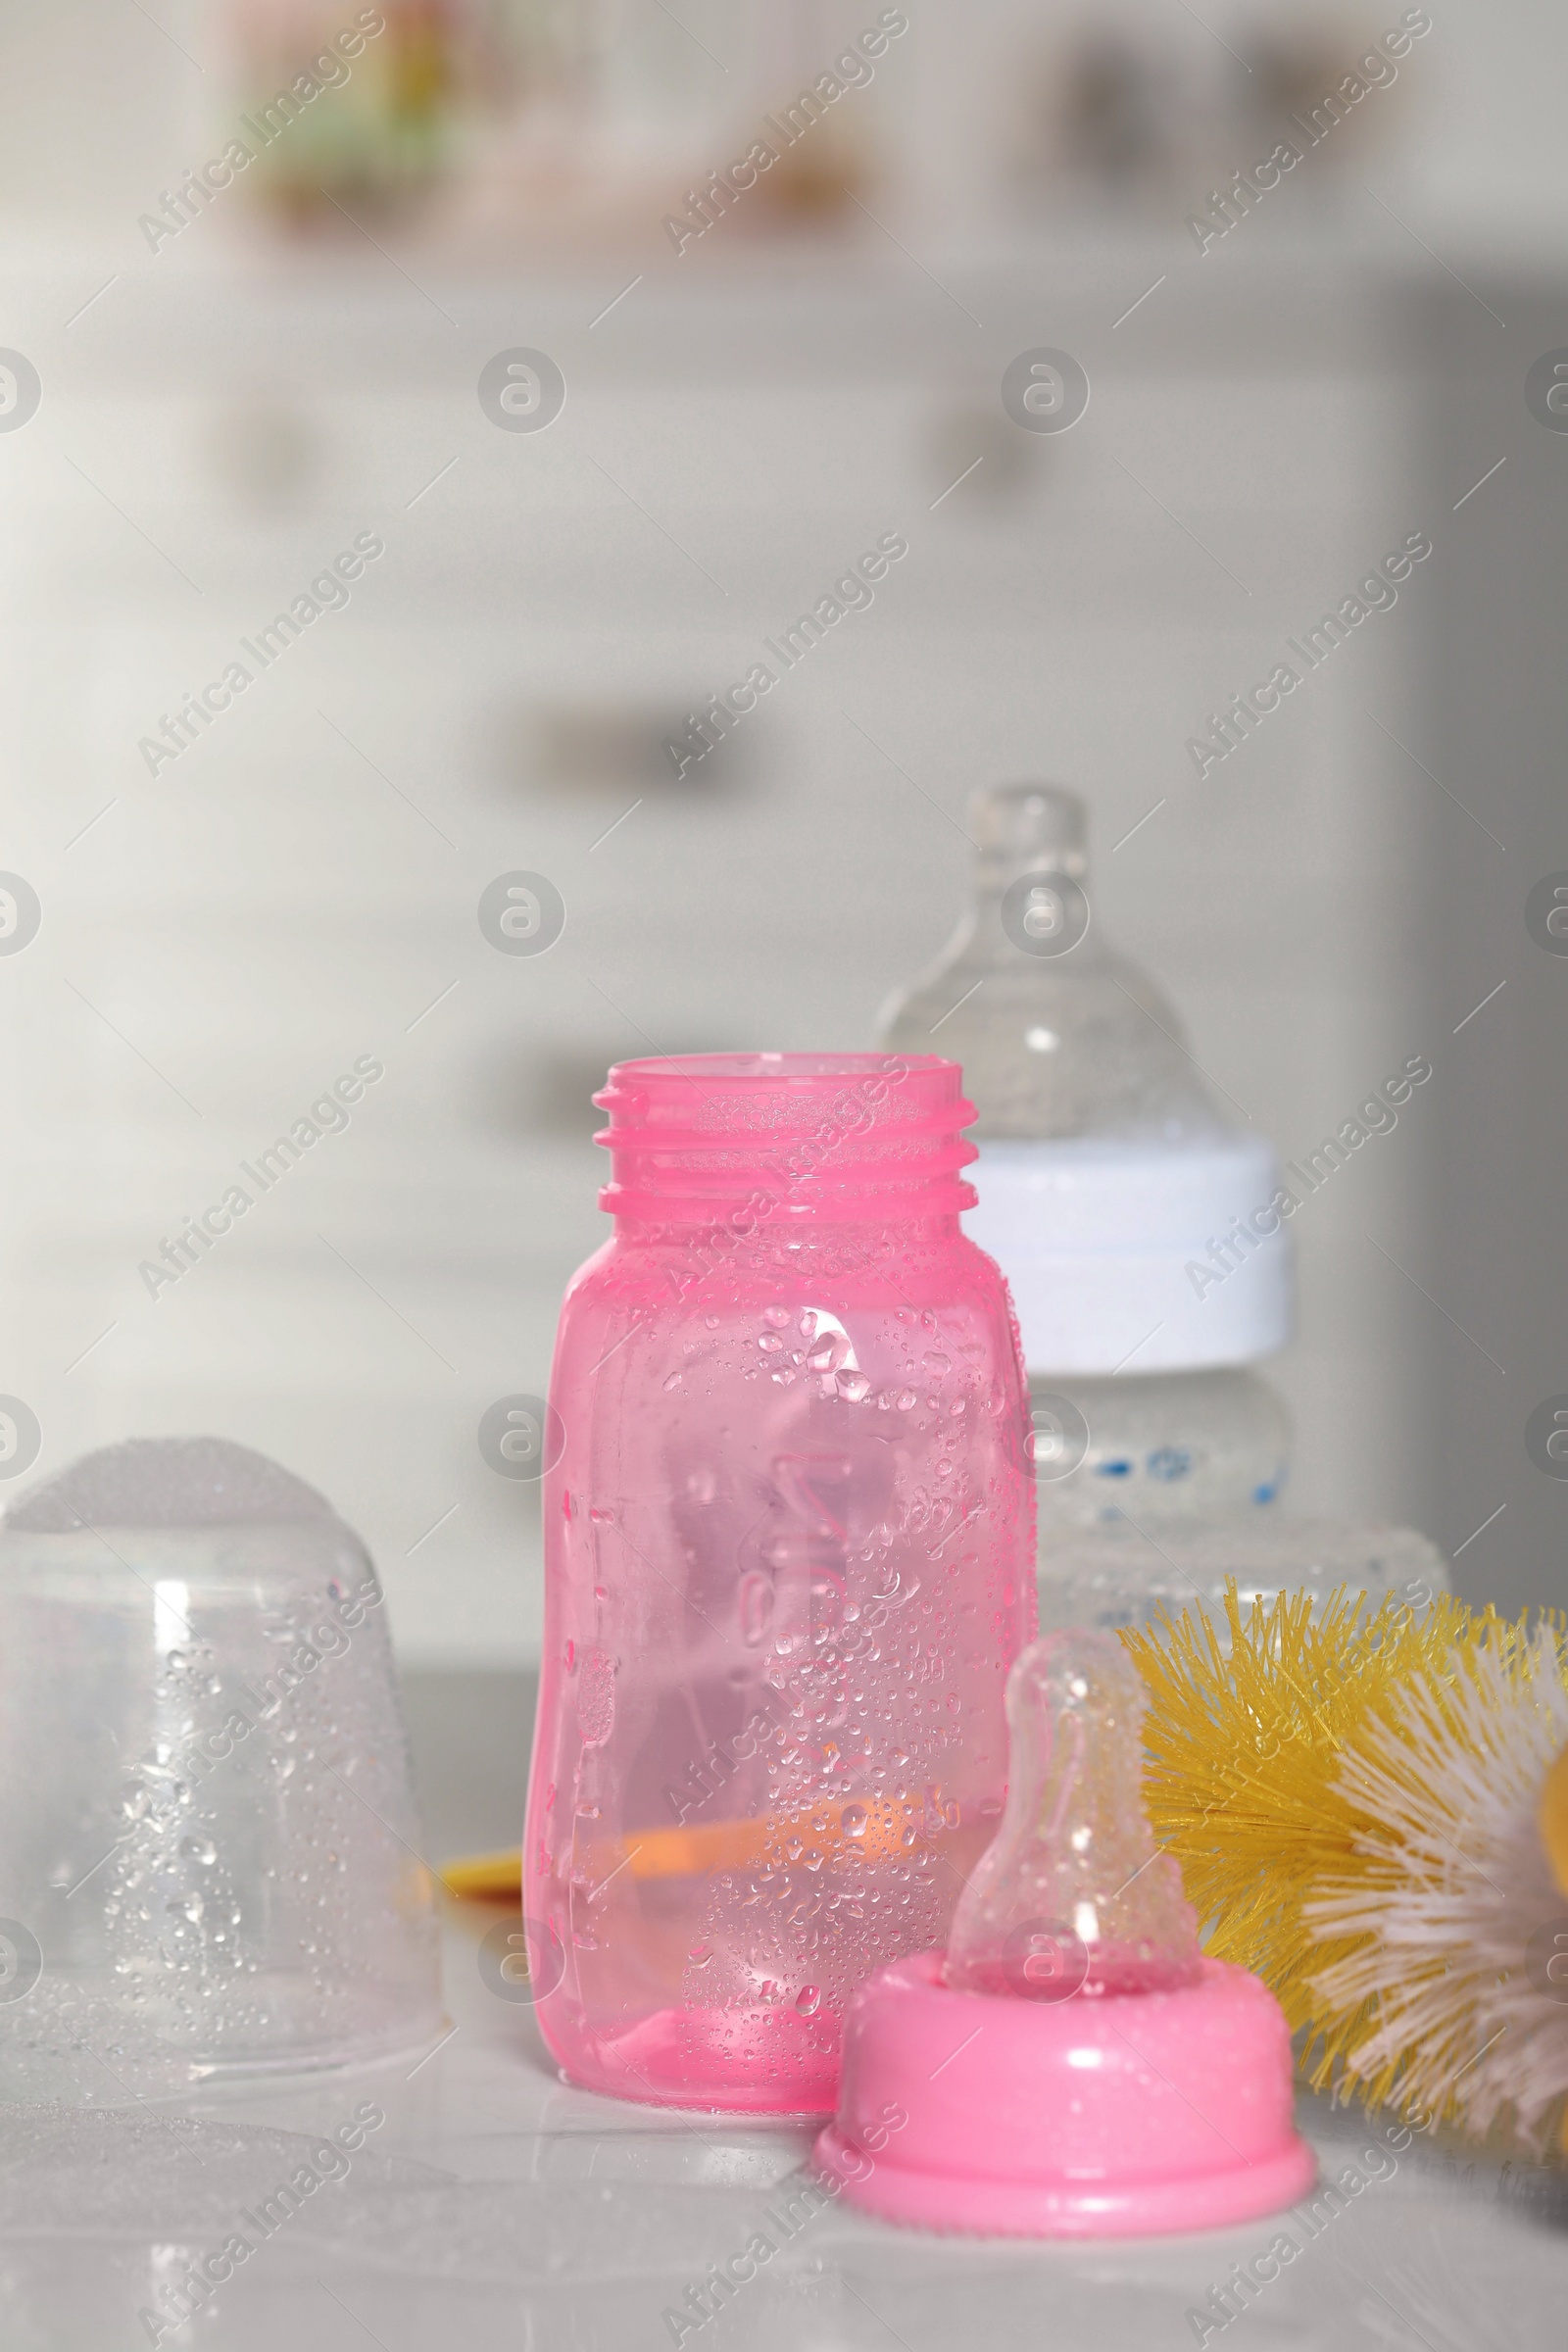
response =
{"points": [[1073, 1896]]}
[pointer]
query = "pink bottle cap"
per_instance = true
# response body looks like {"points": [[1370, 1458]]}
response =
{"points": [[1071, 2067]]}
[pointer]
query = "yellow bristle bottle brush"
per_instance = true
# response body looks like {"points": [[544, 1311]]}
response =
{"points": [[1372, 1812]]}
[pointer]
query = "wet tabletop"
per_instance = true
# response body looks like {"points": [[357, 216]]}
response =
{"points": [[495, 2206]]}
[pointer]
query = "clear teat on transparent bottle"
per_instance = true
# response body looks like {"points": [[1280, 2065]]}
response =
{"points": [[1104, 1163], [788, 1557], [1061, 1037]]}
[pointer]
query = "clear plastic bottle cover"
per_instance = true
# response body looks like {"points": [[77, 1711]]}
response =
{"points": [[788, 1560], [207, 1828]]}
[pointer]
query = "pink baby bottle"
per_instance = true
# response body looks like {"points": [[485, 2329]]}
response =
{"points": [[789, 1546]]}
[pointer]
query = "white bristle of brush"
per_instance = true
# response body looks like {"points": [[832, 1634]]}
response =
{"points": [[1457, 1883]]}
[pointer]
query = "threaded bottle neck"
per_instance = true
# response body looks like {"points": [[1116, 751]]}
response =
{"points": [[790, 1138]]}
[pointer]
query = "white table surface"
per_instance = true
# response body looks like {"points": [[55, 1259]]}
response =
{"points": [[497, 2207]]}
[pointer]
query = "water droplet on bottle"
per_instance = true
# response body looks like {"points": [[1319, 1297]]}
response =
{"points": [[198, 1850], [778, 1316], [852, 1820], [905, 1400], [809, 2000], [755, 1605]]}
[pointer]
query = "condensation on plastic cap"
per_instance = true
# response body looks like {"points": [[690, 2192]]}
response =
{"points": [[1095, 1238], [166, 1482]]}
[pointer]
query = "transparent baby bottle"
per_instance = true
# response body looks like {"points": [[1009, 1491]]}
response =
{"points": [[789, 1562], [1146, 1240]]}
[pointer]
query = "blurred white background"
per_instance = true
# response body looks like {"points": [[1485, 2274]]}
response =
{"points": [[224, 409]]}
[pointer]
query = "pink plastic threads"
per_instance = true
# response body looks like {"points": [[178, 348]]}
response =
{"points": [[788, 1558]]}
